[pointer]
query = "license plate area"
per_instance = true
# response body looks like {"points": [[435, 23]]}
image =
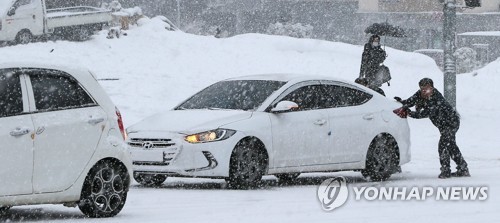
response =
{"points": [[147, 155]]}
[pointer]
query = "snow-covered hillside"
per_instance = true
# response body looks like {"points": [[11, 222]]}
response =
{"points": [[156, 69]]}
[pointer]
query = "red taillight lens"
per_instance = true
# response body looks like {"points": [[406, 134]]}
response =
{"points": [[120, 124]]}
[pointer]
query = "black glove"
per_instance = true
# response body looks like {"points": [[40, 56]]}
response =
{"points": [[398, 99]]}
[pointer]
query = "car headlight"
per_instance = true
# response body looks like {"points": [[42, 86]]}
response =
{"points": [[210, 136]]}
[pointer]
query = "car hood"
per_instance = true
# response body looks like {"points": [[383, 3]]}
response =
{"points": [[189, 121]]}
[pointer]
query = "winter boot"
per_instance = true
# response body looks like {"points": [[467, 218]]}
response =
{"points": [[445, 173], [461, 173]]}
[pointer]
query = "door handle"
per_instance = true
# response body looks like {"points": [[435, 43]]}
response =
{"points": [[40, 130], [95, 121], [320, 122], [19, 132], [368, 117]]}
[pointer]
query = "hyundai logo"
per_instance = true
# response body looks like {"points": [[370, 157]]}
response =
{"points": [[148, 145]]}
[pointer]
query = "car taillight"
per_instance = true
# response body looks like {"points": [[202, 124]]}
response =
{"points": [[120, 124]]}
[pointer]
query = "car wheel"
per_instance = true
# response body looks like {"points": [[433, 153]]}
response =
{"points": [[287, 177], [24, 37], [247, 165], [105, 190], [4, 210], [382, 159], [150, 179]]}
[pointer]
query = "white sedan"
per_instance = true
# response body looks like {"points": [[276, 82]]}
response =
{"points": [[243, 128]]}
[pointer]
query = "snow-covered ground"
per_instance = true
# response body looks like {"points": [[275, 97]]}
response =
{"points": [[157, 69]]}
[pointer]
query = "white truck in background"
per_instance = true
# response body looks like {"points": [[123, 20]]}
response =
{"points": [[24, 20]]}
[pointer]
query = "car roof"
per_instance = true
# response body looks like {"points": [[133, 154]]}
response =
{"points": [[286, 77], [45, 65], [74, 70]]}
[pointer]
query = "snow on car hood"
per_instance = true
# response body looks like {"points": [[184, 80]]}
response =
{"points": [[189, 121]]}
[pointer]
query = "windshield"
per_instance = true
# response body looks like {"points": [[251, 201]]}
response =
{"points": [[237, 94]]}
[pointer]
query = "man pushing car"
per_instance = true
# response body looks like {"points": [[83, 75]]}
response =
{"points": [[431, 104]]}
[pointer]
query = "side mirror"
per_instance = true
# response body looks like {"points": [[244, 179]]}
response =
{"points": [[12, 11], [284, 106]]}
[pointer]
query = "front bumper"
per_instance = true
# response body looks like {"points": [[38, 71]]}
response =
{"points": [[168, 154]]}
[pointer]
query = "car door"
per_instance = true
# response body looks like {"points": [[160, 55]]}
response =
{"points": [[300, 137], [350, 121], [68, 127], [28, 15], [16, 127]]}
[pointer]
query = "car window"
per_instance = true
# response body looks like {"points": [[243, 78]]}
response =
{"points": [[236, 94], [58, 92], [307, 97], [342, 96], [11, 99]]}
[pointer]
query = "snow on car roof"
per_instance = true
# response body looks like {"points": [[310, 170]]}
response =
{"points": [[72, 69], [34, 64]]}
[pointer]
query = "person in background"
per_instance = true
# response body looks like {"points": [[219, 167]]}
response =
{"points": [[364, 82], [218, 32], [434, 106], [373, 56]]}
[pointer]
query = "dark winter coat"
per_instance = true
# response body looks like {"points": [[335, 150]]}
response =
{"points": [[371, 59], [436, 108]]}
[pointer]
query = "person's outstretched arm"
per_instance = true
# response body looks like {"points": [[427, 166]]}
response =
{"points": [[411, 101]]}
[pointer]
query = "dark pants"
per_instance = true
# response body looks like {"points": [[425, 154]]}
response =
{"points": [[448, 149]]}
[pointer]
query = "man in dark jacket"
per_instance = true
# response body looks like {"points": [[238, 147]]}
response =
{"points": [[431, 104], [373, 56]]}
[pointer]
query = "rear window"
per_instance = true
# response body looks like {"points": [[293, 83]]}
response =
{"points": [[58, 92], [342, 96]]}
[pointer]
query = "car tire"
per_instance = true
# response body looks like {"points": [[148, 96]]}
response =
{"points": [[381, 160], [105, 190], [248, 164], [150, 179], [24, 37], [287, 177], [4, 210]]}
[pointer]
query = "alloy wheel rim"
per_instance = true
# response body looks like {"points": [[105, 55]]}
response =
{"points": [[107, 190], [249, 168], [25, 38]]}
